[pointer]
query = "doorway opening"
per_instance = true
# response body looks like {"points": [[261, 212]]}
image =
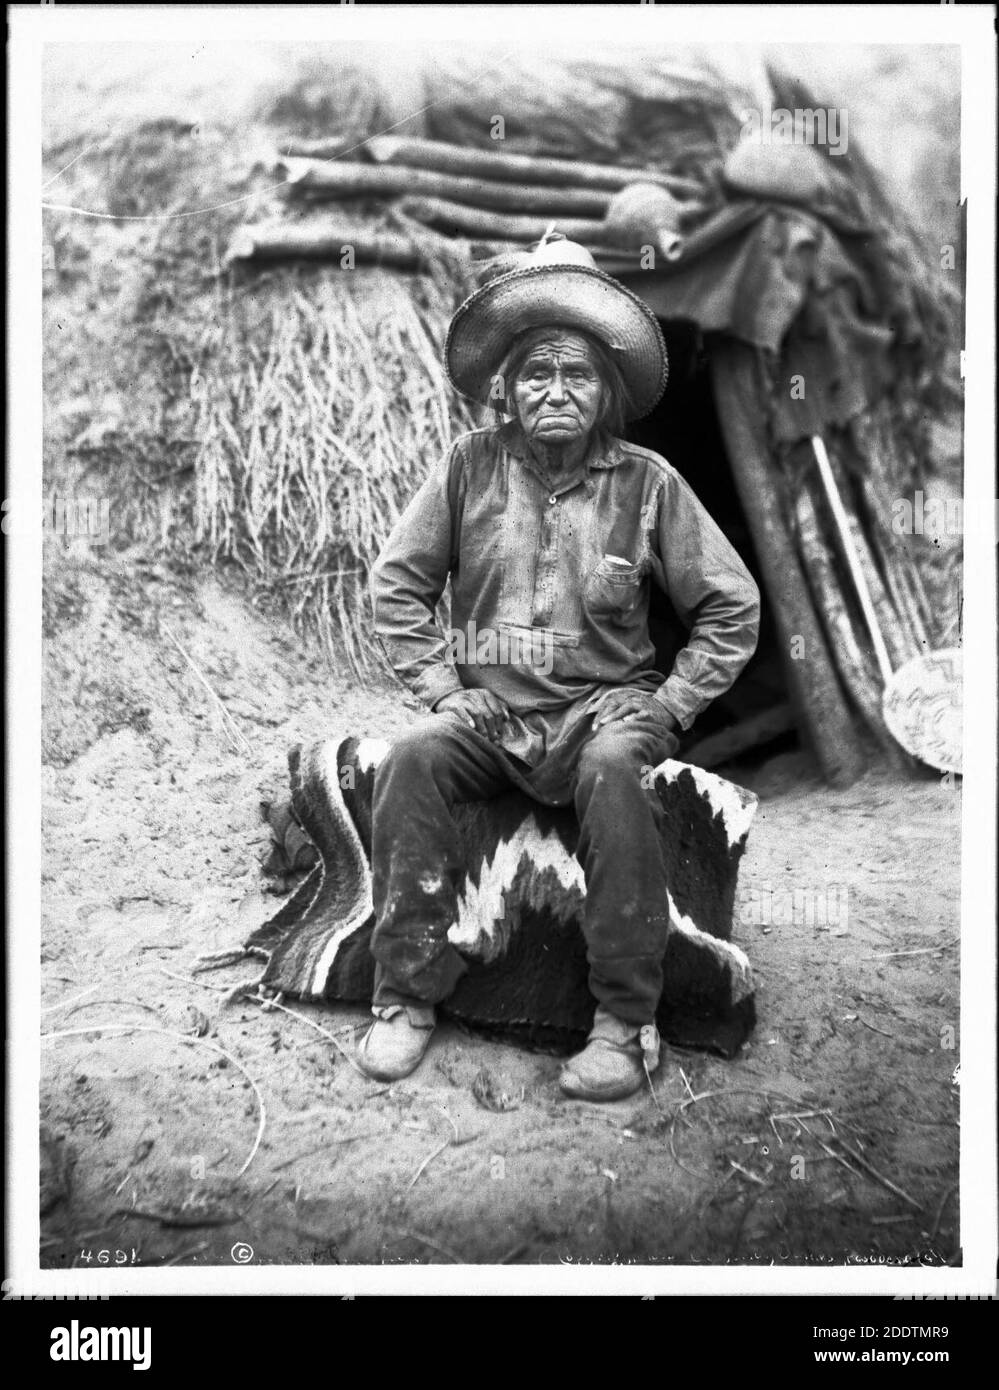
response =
{"points": [[754, 717]]}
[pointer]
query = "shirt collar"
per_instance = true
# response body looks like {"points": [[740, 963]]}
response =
{"points": [[605, 452]]}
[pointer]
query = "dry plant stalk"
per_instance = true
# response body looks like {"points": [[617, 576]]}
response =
{"points": [[320, 414]]}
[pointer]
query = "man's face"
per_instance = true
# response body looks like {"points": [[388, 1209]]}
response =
{"points": [[558, 392]]}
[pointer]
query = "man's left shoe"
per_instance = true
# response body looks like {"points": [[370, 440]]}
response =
{"points": [[610, 1067]]}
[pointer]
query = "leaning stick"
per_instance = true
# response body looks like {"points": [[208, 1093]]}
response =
{"points": [[852, 557], [850, 662]]}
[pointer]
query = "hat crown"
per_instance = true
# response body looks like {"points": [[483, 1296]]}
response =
{"points": [[555, 249]]}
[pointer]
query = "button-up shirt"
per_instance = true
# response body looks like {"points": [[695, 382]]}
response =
{"points": [[550, 580]]}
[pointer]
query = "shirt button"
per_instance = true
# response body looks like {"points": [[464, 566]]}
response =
{"points": [[552, 500]]}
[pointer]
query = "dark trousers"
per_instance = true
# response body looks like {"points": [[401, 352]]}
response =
{"points": [[417, 857]]}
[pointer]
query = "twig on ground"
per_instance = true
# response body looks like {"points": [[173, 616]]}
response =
{"points": [[73, 1000], [840, 1159], [283, 1008], [128, 1003], [190, 980], [192, 1041], [922, 951], [873, 1027], [731, 1091], [516, 1252], [652, 1089], [677, 1159], [432, 1244], [941, 1208], [886, 1182], [317, 1148], [236, 737], [446, 1113], [871, 1170], [693, 1099], [299, 1117], [746, 1173], [426, 1163]]}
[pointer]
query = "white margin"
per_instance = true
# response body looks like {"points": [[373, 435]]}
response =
{"points": [[970, 26]]}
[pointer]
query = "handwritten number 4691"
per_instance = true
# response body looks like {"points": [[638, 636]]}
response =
{"points": [[109, 1257]]}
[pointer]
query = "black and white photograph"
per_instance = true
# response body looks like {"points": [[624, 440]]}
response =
{"points": [[501, 751]]}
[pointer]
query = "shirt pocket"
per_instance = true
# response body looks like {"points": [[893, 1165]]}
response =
{"points": [[548, 652], [613, 590]]}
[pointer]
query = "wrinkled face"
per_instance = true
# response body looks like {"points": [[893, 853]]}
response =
{"points": [[559, 390]]}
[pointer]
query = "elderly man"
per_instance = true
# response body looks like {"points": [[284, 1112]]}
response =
{"points": [[550, 529]]}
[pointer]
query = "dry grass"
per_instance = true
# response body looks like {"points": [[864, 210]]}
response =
{"points": [[321, 410]]}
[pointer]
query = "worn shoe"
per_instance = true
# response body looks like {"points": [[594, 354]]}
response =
{"points": [[610, 1066], [395, 1043]]}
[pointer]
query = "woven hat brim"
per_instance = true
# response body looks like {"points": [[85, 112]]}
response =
{"points": [[571, 296]]}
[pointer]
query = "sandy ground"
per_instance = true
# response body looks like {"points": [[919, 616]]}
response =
{"points": [[152, 845]]}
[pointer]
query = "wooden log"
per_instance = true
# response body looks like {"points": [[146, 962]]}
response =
{"points": [[820, 708], [628, 241], [498, 165], [323, 242], [458, 220], [738, 738], [336, 179]]}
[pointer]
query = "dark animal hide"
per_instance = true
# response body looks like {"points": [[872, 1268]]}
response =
{"points": [[520, 907]]}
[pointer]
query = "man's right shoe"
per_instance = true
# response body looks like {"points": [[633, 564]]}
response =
{"points": [[395, 1043], [610, 1067]]}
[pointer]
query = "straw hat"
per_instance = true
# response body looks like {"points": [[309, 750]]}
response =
{"points": [[557, 284]]}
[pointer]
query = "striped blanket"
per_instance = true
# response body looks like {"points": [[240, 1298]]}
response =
{"points": [[518, 923]]}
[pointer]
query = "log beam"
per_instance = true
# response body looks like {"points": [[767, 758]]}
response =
{"points": [[336, 179], [820, 706], [446, 158]]}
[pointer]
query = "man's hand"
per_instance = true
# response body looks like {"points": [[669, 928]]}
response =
{"points": [[485, 712], [626, 704]]}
